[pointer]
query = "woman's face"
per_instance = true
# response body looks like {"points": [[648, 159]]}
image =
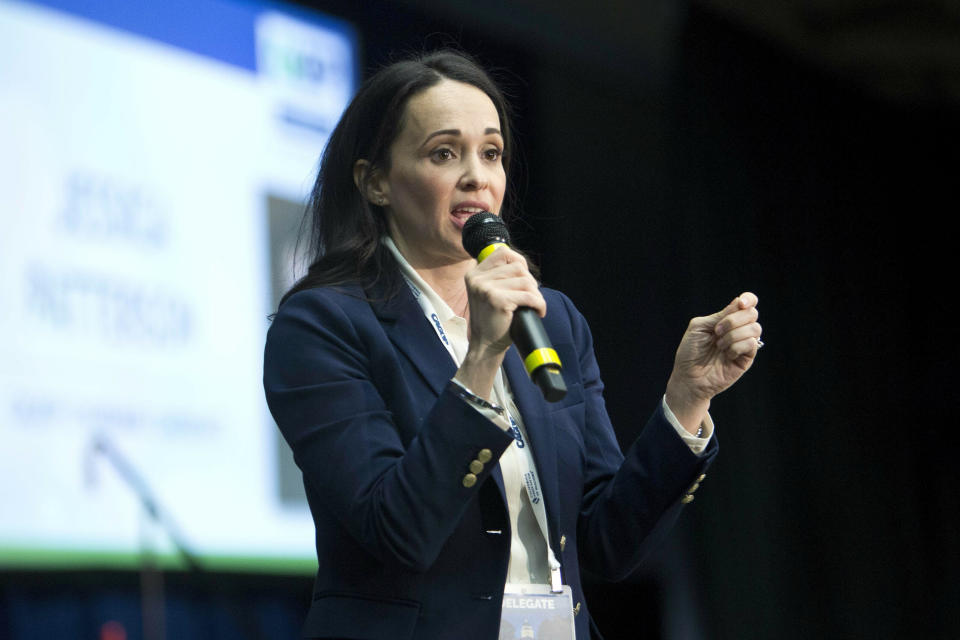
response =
{"points": [[445, 165]]}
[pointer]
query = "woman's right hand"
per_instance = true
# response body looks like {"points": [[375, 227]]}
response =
{"points": [[496, 288]]}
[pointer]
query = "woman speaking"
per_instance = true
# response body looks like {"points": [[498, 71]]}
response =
{"points": [[438, 476]]}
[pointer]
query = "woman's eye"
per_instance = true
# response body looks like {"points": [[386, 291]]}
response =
{"points": [[442, 154], [492, 154]]}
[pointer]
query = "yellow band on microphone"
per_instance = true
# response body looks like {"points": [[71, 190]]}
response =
{"points": [[487, 250], [540, 357]]}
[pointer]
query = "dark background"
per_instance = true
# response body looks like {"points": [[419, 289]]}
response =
{"points": [[676, 154]]}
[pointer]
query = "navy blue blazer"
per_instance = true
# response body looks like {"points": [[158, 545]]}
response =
{"points": [[359, 389]]}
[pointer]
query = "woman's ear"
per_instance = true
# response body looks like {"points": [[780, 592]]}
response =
{"points": [[370, 184]]}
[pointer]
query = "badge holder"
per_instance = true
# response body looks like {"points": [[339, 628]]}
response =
{"points": [[536, 611]]}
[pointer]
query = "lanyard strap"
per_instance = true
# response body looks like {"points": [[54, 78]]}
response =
{"points": [[531, 483]]}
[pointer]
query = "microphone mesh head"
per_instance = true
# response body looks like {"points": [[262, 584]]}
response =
{"points": [[483, 229]]}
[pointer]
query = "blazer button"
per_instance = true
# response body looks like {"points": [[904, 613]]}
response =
{"points": [[476, 466], [469, 480], [485, 455], [687, 499], [563, 542], [701, 478], [693, 487], [576, 610]]}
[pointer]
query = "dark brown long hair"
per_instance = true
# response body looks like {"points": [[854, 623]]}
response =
{"points": [[341, 229]]}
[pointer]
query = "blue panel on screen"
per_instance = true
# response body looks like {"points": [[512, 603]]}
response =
{"points": [[214, 28]]}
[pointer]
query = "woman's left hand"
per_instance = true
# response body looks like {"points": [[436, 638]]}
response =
{"points": [[714, 352]]}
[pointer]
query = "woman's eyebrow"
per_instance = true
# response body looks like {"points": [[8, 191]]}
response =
{"points": [[442, 132], [457, 132]]}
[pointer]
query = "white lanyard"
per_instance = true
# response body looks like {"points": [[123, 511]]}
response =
{"points": [[530, 480]]}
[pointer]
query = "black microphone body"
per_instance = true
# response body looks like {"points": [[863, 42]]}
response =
{"points": [[482, 234]]}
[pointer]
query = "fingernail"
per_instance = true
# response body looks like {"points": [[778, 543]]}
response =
{"points": [[743, 301]]}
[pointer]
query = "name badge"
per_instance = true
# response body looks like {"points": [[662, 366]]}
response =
{"points": [[534, 611]]}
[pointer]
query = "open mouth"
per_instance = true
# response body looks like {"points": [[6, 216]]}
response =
{"points": [[461, 214]]}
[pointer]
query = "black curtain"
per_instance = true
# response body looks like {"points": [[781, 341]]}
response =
{"points": [[831, 510]]}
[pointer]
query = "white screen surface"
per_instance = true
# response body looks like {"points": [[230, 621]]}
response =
{"points": [[148, 194]]}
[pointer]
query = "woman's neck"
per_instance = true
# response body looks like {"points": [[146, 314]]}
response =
{"points": [[448, 282], [444, 274]]}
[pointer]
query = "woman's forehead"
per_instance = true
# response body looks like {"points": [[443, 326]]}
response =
{"points": [[450, 105]]}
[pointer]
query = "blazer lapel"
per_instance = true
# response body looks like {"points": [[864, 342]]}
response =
{"points": [[533, 408], [403, 321]]}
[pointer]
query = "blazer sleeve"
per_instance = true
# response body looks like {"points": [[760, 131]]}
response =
{"points": [[630, 501], [397, 489]]}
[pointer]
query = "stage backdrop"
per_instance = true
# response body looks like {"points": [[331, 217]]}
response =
{"points": [[154, 161]]}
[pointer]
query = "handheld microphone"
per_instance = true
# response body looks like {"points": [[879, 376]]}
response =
{"points": [[482, 234]]}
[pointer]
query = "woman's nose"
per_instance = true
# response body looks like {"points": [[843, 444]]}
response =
{"points": [[474, 175]]}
